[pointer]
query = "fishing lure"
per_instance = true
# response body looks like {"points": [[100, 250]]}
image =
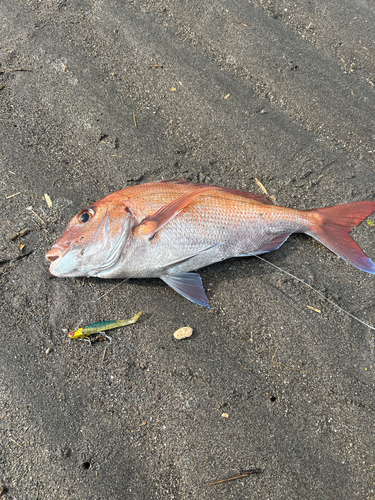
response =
{"points": [[86, 331]]}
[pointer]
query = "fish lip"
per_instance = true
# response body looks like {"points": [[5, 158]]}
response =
{"points": [[52, 258], [57, 252], [56, 260]]}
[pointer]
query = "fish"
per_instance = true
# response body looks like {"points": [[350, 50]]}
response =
{"points": [[168, 229], [86, 331]]}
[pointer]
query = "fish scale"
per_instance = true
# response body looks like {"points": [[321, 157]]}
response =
{"points": [[171, 228]]}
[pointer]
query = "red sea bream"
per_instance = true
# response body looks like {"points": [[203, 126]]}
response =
{"points": [[168, 229]]}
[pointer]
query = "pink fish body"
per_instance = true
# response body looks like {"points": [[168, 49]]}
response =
{"points": [[168, 229]]}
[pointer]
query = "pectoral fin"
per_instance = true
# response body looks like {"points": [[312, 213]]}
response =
{"points": [[184, 259], [150, 225], [189, 285]]}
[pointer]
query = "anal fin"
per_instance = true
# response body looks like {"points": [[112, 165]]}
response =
{"points": [[189, 285], [275, 243], [271, 245]]}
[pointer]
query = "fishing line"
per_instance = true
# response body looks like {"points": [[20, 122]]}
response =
{"points": [[270, 264], [99, 298], [316, 291], [109, 291]]}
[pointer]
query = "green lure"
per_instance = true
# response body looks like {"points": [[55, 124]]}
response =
{"points": [[87, 330]]}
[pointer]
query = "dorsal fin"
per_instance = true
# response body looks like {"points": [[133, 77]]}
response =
{"points": [[260, 198]]}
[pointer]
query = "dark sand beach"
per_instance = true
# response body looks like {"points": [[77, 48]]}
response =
{"points": [[99, 95]]}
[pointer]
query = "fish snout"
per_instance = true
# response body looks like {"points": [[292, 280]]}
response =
{"points": [[56, 252]]}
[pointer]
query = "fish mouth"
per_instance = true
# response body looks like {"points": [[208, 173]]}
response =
{"points": [[51, 257], [55, 256], [55, 253], [63, 264]]}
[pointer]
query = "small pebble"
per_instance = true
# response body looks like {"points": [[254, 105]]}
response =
{"points": [[183, 333], [225, 415]]}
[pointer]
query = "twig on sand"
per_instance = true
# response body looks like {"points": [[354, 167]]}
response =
{"points": [[285, 366], [11, 195], [314, 309], [243, 473], [18, 444], [238, 22], [264, 190], [36, 215], [19, 234]]}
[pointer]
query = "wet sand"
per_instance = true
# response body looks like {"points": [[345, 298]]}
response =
{"points": [[97, 96]]}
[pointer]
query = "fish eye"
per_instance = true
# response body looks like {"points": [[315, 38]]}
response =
{"points": [[84, 217]]}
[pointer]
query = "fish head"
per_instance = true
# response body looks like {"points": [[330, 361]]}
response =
{"points": [[92, 241]]}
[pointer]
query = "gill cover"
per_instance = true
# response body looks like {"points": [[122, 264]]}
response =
{"points": [[116, 232]]}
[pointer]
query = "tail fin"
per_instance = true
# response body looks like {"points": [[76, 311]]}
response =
{"points": [[332, 226]]}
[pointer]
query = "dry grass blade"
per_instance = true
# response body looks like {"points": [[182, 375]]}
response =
{"points": [[314, 309], [285, 366], [11, 195], [19, 234], [264, 190], [242, 474]]}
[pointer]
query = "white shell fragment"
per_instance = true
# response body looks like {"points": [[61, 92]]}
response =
{"points": [[183, 333], [48, 200]]}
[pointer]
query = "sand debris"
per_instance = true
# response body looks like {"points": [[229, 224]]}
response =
{"points": [[183, 333], [48, 200]]}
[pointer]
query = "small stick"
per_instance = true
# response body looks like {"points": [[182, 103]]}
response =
{"points": [[16, 442], [273, 357], [228, 479], [19, 234], [264, 189], [285, 366], [314, 309], [238, 22], [105, 350], [243, 473], [36, 215], [135, 121], [11, 196], [156, 66]]}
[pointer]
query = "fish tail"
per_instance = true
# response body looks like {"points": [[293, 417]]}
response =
{"points": [[332, 225]]}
